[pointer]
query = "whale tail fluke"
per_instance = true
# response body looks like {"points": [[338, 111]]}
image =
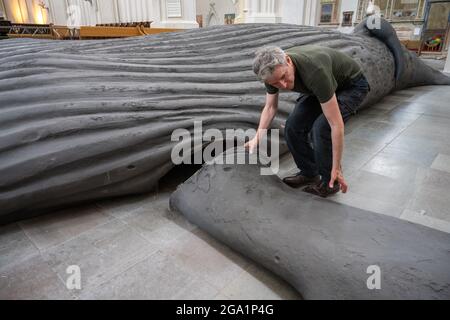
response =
{"points": [[410, 71]]}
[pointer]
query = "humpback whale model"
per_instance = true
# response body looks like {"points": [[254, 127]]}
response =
{"points": [[324, 249], [87, 120]]}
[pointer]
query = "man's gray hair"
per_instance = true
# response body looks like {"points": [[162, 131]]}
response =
{"points": [[266, 59]]}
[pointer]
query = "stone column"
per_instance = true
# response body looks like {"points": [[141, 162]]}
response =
{"points": [[133, 12], [88, 12], [121, 8], [126, 11], [310, 12], [154, 10], [107, 11], [57, 12], [139, 11]]}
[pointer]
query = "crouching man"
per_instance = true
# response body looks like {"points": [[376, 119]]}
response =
{"points": [[332, 87]]}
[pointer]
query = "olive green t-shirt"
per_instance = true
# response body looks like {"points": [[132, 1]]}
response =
{"points": [[320, 71]]}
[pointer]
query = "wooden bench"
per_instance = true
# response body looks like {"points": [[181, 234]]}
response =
{"points": [[145, 24], [119, 32]]}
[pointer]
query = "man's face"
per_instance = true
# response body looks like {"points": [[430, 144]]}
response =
{"points": [[283, 76]]}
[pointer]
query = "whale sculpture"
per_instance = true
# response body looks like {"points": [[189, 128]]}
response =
{"points": [[84, 120], [324, 249]]}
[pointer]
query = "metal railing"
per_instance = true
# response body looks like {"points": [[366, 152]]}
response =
{"points": [[41, 31]]}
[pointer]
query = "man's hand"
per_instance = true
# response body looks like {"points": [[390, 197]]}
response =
{"points": [[252, 145], [336, 175]]}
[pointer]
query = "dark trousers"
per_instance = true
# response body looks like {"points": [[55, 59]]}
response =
{"points": [[308, 133]]}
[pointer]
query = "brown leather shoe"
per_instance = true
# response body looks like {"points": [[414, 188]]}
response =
{"points": [[322, 189], [298, 180]]}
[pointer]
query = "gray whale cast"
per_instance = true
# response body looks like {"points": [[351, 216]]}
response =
{"points": [[322, 248], [93, 119]]}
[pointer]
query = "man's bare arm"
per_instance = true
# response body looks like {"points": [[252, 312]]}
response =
{"points": [[334, 117], [267, 115]]}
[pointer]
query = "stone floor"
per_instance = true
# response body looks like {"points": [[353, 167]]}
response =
{"points": [[128, 248], [397, 157], [437, 62], [397, 162]]}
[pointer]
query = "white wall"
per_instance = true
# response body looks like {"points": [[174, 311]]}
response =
{"points": [[264, 11], [347, 5], [57, 12], [107, 11], [303, 12], [292, 11], [72, 12], [134, 10]]}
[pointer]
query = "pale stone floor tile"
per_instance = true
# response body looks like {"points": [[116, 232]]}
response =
{"points": [[124, 206], [14, 245], [156, 222], [366, 202], [436, 179], [433, 202], [159, 227], [423, 219], [58, 227], [397, 169], [376, 132], [156, 277], [398, 116], [431, 196], [198, 253], [425, 108], [420, 145], [442, 162], [433, 127], [101, 253], [409, 154], [381, 188], [259, 284], [32, 279]]}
